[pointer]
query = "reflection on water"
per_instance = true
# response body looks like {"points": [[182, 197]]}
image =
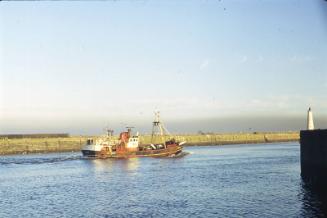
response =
{"points": [[106, 165], [130, 164], [99, 165], [314, 199]]}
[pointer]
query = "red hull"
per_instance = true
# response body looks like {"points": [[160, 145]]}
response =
{"points": [[122, 153]]}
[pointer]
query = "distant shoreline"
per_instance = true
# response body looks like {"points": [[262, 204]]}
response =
{"points": [[75, 143]]}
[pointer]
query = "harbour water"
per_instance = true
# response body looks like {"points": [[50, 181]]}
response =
{"points": [[261, 180]]}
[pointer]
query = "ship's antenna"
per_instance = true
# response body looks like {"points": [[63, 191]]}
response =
{"points": [[129, 130], [109, 131]]}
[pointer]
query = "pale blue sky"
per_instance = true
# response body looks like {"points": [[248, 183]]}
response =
{"points": [[78, 66]]}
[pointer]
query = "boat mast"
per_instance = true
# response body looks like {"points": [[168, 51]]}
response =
{"points": [[157, 125], [129, 130], [110, 132]]}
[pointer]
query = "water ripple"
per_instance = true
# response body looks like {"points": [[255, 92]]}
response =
{"points": [[222, 181]]}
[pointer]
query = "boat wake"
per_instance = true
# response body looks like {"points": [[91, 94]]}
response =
{"points": [[180, 155], [38, 160]]}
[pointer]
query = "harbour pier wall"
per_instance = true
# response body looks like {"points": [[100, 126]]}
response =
{"points": [[40, 145], [75, 143]]}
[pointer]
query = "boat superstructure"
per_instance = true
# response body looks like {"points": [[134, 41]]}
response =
{"points": [[128, 145], [99, 147]]}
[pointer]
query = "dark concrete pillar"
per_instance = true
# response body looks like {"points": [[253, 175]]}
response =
{"points": [[314, 156]]}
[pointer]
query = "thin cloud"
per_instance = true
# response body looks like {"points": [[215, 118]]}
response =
{"points": [[301, 58], [204, 64], [244, 59], [259, 59]]}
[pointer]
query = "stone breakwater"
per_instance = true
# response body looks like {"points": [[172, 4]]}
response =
{"points": [[75, 143], [40, 145]]}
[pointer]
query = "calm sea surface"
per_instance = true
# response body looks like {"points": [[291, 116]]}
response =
{"points": [[218, 181]]}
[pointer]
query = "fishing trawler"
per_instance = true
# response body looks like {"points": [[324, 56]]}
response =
{"points": [[128, 144]]}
